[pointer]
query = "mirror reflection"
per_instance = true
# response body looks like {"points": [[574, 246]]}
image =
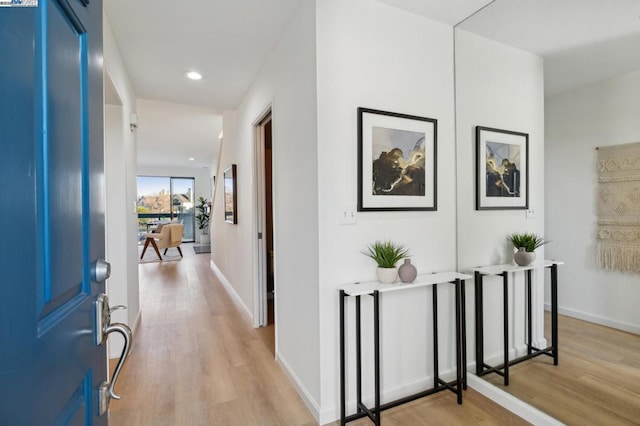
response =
{"points": [[584, 53]]}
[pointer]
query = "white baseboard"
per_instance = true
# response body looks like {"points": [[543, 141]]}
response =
{"points": [[511, 403], [230, 290], [332, 414], [304, 393], [596, 319], [498, 358]]}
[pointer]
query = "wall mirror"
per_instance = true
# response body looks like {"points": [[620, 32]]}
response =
{"points": [[584, 53]]}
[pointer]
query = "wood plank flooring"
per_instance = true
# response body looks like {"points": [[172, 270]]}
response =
{"points": [[196, 360], [597, 381]]}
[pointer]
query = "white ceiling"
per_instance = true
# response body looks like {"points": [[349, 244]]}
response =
{"points": [[168, 134], [228, 41], [448, 11], [581, 41]]}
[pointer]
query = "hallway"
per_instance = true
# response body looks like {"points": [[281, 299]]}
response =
{"points": [[196, 359]]}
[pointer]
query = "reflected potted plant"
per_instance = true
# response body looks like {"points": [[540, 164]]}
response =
{"points": [[526, 243], [386, 254], [202, 217]]}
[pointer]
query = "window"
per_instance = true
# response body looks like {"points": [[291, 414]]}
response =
{"points": [[164, 198]]}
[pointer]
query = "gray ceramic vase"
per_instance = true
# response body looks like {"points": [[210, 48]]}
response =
{"points": [[523, 257], [407, 272]]}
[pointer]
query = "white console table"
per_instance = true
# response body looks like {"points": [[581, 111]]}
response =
{"points": [[504, 271], [374, 289]]}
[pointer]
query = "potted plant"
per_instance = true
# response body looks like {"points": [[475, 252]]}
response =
{"points": [[526, 243], [386, 254], [203, 219]]}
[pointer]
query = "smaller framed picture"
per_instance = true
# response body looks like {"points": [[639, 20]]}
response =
{"points": [[230, 195], [502, 169]]}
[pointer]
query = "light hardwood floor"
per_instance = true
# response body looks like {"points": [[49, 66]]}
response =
{"points": [[597, 381], [196, 360]]}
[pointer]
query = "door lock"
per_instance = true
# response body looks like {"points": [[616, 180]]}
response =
{"points": [[100, 270]]}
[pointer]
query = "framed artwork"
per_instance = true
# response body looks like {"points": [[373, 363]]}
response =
{"points": [[230, 195], [502, 169], [397, 161]]}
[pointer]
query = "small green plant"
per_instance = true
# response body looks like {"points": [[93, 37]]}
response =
{"points": [[203, 215], [529, 241], [385, 253]]}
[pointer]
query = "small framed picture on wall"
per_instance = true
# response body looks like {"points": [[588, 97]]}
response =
{"points": [[230, 195], [502, 169]]}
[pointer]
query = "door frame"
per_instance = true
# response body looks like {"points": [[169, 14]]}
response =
{"points": [[260, 312]]}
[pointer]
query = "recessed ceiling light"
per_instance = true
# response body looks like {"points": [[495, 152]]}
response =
{"points": [[193, 75], [192, 159]]}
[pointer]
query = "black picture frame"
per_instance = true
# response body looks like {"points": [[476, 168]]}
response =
{"points": [[502, 169], [230, 195], [397, 161]]}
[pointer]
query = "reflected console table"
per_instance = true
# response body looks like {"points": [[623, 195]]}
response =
{"points": [[504, 270], [374, 289]]}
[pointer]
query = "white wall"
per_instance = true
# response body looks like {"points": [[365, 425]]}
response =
{"points": [[501, 87], [376, 56], [287, 82], [576, 123], [370, 55], [120, 177]]}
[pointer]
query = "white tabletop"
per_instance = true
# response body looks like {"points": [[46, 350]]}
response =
{"points": [[512, 267], [423, 280]]}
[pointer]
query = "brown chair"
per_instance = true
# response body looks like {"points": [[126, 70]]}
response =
{"points": [[166, 236]]}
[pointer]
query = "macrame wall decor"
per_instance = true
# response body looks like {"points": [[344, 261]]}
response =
{"points": [[619, 208]]}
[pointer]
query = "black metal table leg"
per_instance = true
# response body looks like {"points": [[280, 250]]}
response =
{"points": [[479, 325], [463, 330], [358, 357], [342, 362], [458, 310], [554, 312], [505, 301], [435, 335], [529, 314], [376, 360]]}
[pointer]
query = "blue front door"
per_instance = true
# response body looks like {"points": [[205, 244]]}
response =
{"points": [[51, 211]]}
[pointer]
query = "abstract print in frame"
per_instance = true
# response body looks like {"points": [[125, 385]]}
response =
{"points": [[396, 161], [230, 195], [502, 169]]}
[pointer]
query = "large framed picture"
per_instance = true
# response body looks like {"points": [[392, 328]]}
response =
{"points": [[230, 195], [397, 161], [502, 169]]}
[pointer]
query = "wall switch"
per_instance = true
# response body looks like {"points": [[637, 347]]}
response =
{"points": [[348, 216], [531, 213]]}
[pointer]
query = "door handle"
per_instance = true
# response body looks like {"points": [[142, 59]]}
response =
{"points": [[103, 329]]}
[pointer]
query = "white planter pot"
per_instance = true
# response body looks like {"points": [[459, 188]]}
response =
{"points": [[524, 258], [205, 239], [387, 275]]}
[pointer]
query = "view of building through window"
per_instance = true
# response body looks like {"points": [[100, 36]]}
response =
{"points": [[162, 199]]}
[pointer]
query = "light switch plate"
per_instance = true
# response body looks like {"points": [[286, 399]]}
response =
{"points": [[348, 216]]}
